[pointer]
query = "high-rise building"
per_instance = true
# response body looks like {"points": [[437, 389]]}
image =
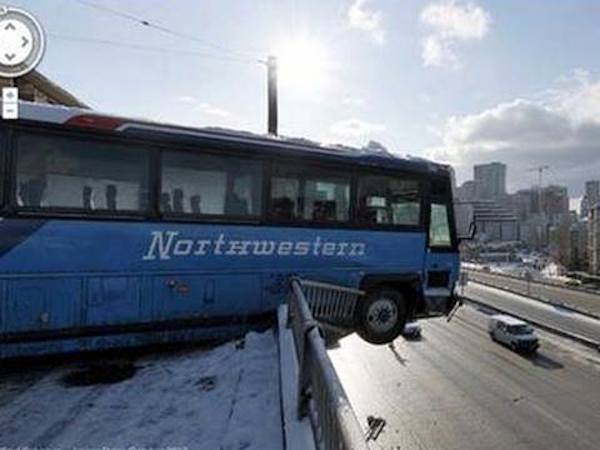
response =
{"points": [[555, 203], [490, 180], [593, 240], [494, 222], [541, 214], [592, 189], [466, 191], [525, 203], [591, 197], [578, 245]]}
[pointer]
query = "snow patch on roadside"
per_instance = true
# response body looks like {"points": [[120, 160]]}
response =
{"points": [[224, 398]]}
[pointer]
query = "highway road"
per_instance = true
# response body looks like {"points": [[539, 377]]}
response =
{"points": [[456, 389], [554, 316], [587, 301]]}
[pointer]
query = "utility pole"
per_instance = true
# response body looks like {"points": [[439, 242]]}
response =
{"points": [[272, 94]]}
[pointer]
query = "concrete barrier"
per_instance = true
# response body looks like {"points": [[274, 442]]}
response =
{"points": [[534, 297]]}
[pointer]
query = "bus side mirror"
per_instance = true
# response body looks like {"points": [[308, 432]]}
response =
{"points": [[470, 234], [464, 214]]}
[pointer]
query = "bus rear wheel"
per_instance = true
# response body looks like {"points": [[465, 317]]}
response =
{"points": [[381, 316]]}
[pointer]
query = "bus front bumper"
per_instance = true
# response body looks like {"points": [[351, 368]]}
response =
{"points": [[437, 302]]}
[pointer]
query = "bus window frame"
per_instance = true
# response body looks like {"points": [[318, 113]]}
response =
{"points": [[156, 145], [447, 201], [68, 212], [355, 171], [318, 169], [422, 195], [208, 218]]}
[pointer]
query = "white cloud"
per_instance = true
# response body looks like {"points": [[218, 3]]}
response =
{"points": [[209, 110], [452, 19], [450, 22], [366, 19], [353, 101], [438, 52], [186, 99], [425, 98], [578, 96], [434, 131], [355, 128], [560, 128]]}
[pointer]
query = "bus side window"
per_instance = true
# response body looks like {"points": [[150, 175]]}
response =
{"points": [[320, 196], [61, 172], [210, 185], [285, 196], [88, 197], [327, 198], [165, 203], [178, 200], [439, 228], [388, 200], [195, 204], [111, 197]]}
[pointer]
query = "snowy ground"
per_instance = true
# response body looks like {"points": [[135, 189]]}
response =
{"points": [[224, 398]]}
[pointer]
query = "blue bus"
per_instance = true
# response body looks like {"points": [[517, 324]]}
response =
{"points": [[118, 232]]}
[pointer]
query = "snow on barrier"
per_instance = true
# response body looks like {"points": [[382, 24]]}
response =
{"points": [[320, 395]]}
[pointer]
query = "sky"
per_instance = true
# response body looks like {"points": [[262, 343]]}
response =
{"points": [[462, 82]]}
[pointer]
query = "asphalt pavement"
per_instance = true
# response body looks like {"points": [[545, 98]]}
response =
{"points": [[456, 389], [587, 301], [553, 316]]}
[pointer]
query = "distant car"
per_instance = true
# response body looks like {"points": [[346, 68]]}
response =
{"points": [[412, 330], [513, 332]]}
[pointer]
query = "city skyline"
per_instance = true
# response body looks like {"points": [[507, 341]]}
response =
{"points": [[574, 201]]}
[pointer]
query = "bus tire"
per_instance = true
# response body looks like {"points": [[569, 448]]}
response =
{"points": [[381, 316]]}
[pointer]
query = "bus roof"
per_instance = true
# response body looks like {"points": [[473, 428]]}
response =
{"points": [[372, 155]]}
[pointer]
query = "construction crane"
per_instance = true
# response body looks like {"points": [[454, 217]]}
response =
{"points": [[540, 170]]}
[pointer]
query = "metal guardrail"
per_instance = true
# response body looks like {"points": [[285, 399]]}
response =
{"points": [[533, 291], [321, 395], [331, 303], [555, 284]]}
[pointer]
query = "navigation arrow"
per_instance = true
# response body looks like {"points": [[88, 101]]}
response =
{"points": [[10, 56], [9, 26], [25, 41]]}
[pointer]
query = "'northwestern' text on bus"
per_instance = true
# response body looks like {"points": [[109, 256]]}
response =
{"points": [[168, 244]]}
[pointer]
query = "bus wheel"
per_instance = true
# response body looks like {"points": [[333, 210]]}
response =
{"points": [[381, 316]]}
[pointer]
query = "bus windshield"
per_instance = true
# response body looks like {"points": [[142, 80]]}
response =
{"points": [[439, 228]]}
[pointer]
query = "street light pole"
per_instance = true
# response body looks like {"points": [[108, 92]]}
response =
{"points": [[272, 94]]}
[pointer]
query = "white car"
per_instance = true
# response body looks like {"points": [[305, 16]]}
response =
{"points": [[513, 332]]}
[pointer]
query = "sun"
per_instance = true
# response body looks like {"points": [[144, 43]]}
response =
{"points": [[302, 62]]}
